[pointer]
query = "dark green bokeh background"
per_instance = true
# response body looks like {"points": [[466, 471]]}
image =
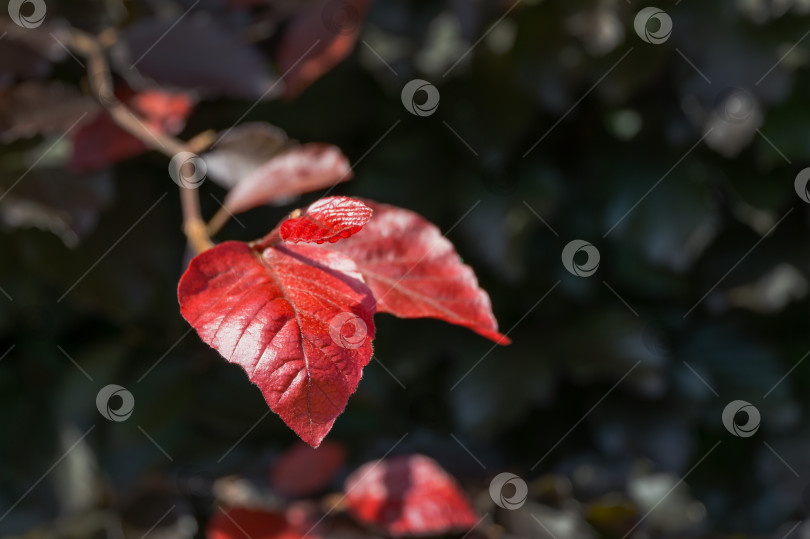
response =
{"points": [[693, 233]]}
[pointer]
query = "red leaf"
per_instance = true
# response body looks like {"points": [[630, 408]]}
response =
{"points": [[415, 272], [297, 318], [329, 219], [298, 170], [318, 39], [240, 522], [100, 142], [303, 471], [408, 495]]}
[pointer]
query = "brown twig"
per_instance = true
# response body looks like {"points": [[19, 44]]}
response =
{"points": [[100, 78], [220, 218]]}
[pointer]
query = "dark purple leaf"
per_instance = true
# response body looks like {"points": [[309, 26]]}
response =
{"points": [[195, 54]]}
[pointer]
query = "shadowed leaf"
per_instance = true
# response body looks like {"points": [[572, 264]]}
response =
{"points": [[298, 170], [195, 53]]}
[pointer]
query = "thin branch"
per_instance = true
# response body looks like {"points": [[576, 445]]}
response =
{"points": [[100, 78], [220, 218]]}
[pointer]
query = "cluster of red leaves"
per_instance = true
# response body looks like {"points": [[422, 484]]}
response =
{"points": [[298, 317], [316, 37], [408, 495], [295, 308]]}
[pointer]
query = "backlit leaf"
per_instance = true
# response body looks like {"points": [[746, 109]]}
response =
{"points": [[415, 272], [296, 318], [329, 219]]}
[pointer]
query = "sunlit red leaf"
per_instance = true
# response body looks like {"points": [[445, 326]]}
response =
{"points": [[408, 495], [329, 219], [296, 318], [415, 272], [100, 142], [318, 39], [303, 471], [298, 170], [240, 522]]}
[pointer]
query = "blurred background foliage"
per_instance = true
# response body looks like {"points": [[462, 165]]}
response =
{"points": [[614, 387]]}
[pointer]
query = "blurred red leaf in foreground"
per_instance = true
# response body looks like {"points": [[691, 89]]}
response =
{"points": [[303, 471], [238, 523], [408, 495]]}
